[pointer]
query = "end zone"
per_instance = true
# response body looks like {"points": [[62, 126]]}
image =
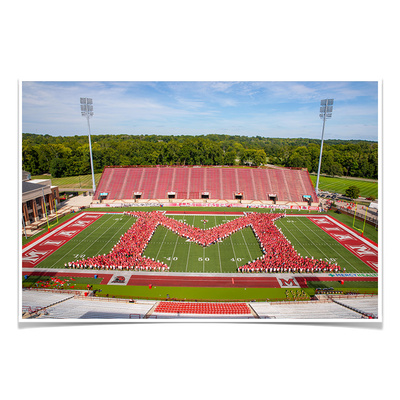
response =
{"points": [[33, 253], [365, 250]]}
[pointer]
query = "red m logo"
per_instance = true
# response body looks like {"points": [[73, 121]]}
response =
{"points": [[288, 282]]}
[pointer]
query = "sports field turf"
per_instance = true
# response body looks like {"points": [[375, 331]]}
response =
{"points": [[339, 185], [311, 241], [97, 238], [183, 256], [224, 257]]}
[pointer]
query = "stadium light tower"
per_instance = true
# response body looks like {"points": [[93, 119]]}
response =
{"points": [[325, 113], [87, 111]]}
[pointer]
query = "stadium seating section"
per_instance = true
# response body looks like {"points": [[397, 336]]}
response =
{"points": [[215, 182], [202, 308]]}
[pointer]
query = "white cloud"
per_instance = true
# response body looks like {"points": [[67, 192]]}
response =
{"points": [[252, 108]]}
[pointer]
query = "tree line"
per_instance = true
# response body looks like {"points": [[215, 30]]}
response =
{"points": [[70, 155]]}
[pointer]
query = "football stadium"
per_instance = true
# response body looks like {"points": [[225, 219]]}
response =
{"points": [[197, 242]]}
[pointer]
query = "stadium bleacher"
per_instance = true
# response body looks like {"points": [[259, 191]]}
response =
{"points": [[64, 306], [202, 308], [92, 309], [192, 182], [31, 301], [304, 310]]}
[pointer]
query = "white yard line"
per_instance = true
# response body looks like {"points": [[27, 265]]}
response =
{"points": [[340, 256], [190, 243], [79, 243], [173, 253], [162, 244], [295, 238], [246, 243], [343, 226], [234, 254], [187, 260], [219, 253], [114, 236]]}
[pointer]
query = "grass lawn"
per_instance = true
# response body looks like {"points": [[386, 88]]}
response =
{"points": [[339, 185], [361, 287], [228, 294], [72, 182], [70, 282], [192, 293]]}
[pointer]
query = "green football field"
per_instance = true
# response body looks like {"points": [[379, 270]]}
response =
{"points": [[311, 241], [185, 256], [97, 238]]}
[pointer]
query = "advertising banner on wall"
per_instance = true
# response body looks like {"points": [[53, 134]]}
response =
{"points": [[211, 205]]}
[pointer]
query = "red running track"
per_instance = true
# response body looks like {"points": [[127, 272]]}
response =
{"points": [[198, 281]]}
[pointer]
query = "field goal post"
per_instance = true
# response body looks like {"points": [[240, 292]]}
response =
{"points": [[365, 218]]}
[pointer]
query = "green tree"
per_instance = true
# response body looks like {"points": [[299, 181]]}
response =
{"points": [[30, 159], [296, 161], [57, 168], [230, 157], [353, 192], [335, 169], [253, 157], [259, 158], [171, 152], [348, 157]]}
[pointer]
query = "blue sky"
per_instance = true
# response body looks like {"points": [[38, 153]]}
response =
{"points": [[267, 109]]}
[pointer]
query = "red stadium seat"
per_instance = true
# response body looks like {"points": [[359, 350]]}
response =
{"points": [[220, 183], [203, 308]]}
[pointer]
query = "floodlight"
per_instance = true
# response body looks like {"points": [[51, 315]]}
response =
{"points": [[325, 113], [87, 111], [327, 109]]}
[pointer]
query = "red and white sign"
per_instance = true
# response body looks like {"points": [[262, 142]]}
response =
{"points": [[288, 283]]}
